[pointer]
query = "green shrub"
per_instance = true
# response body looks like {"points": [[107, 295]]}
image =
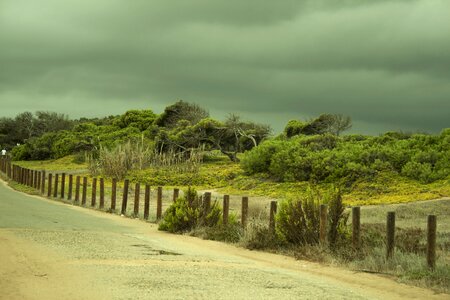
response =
{"points": [[258, 160], [418, 171], [297, 221], [337, 218], [21, 152], [188, 212], [328, 158]]}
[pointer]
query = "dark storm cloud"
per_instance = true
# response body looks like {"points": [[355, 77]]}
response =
{"points": [[385, 63]]}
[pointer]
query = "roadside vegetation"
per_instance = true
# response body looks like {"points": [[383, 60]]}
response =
{"points": [[309, 164]]}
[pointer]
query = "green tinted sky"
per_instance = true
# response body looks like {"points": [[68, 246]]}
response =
{"points": [[384, 63]]}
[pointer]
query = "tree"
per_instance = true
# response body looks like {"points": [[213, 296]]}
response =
{"points": [[229, 137], [181, 111], [141, 119], [293, 128], [241, 136], [341, 123], [9, 136], [325, 123], [52, 122], [25, 123]]}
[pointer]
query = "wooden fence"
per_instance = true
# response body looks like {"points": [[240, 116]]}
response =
{"points": [[54, 186]]}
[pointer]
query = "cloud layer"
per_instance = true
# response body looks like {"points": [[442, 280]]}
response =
{"points": [[384, 63]]}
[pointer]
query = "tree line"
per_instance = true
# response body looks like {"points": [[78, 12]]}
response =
{"points": [[312, 150]]}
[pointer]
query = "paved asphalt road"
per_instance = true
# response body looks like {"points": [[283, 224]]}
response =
{"points": [[50, 250]]}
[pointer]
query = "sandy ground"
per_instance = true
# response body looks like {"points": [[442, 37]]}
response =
{"points": [[50, 250]]}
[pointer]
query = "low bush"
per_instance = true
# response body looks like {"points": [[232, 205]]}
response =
{"points": [[329, 158], [188, 212]]}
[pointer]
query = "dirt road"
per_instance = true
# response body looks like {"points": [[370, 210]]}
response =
{"points": [[50, 250]]}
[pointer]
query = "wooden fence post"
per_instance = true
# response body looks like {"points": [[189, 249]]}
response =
{"points": [[137, 193], [69, 192], [94, 192], [113, 194], [49, 188], [9, 170], [33, 178], [102, 193], [159, 203], [390, 234], [38, 180], [84, 194], [323, 224], [147, 201], [77, 189], [273, 212], [176, 192], [356, 227], [244, 212], [55, 191], [63, 185], [43, 182], [207, 203], [125, 197], [226, 208], [431, 241]]}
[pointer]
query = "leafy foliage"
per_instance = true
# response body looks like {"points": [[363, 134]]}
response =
{"points": [[188, 212], [329, 158], [26, 126], [180, 111]]}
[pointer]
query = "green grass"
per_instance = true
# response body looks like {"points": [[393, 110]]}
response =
{"points": [[63, 164]]}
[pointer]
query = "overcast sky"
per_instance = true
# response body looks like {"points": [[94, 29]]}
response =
{"points": [[385, 63]]}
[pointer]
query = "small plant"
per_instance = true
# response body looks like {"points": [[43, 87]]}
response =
{"points": [[188, 212], [337, 218]]}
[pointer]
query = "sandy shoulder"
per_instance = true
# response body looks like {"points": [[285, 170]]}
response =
{"points": [[27, 272]]}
